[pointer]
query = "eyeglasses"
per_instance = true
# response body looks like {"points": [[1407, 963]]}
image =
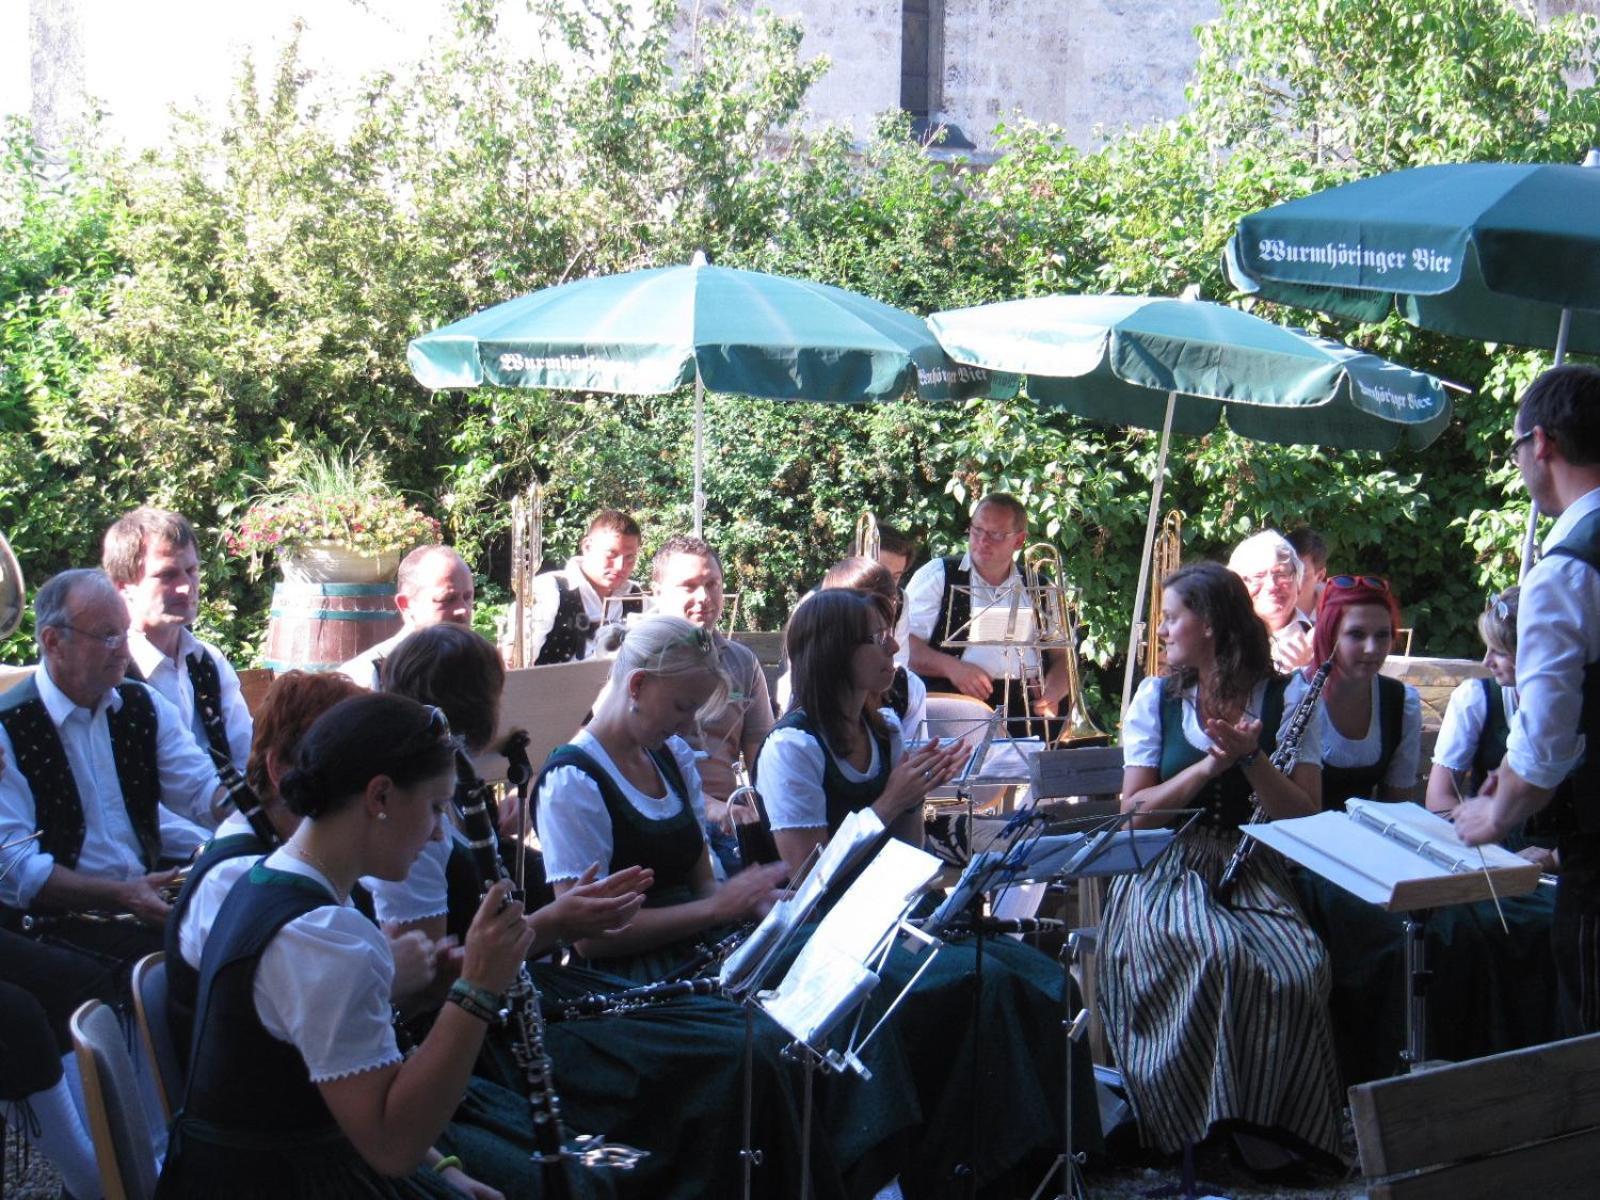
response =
{"points": [[110, 641], [1376, 583], [1509, 454], [881, 638], [1254, 583], [979, 534]]}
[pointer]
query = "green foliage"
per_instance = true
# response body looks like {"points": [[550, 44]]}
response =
{"points": [[176, 327]]}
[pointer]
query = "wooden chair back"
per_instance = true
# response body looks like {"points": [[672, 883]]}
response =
{"points": [[155, 1029], [122, 1141]]}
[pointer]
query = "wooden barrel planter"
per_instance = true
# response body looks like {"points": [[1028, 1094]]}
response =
{"points": [[317, 626]]}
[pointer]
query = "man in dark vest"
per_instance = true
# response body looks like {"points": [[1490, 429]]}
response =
{"points": [[153, 558], [1556, 446], [434, 586], [572, 605], [943, 597], [103, 770]]}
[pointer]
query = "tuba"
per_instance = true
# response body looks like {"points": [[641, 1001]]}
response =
{"points": [[865, 543], [527, 555], [1166, 556], [1057, 628]]}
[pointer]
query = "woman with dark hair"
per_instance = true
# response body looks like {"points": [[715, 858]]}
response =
{"points": [[1217, 1013], [1371, 725], [1489, 992], [835, 752], [295, 984]]}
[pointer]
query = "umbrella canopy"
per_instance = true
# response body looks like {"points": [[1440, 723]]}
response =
{"points": [[648, 332], [1179, 365], [1489, 251], [1117, 359]]}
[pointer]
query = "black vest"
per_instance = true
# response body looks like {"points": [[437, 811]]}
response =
{"points": [[573, 629], [1575, 808], [1226, 799], [671, 847], [1341, 783], [42, 760], [206, 681], [230, 1045], [844, 796], [183, 981], [1491, 751], [955, 610]]}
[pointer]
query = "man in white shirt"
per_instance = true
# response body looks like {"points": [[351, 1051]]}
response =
{"points": [[1556, 447], [153, 558], [433, 587], [945, 593], [686, 581], [103, 770], [572, 605], [1272, 572]]}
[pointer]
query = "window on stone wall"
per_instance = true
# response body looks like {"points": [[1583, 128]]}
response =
{"points": [[917, 73]]}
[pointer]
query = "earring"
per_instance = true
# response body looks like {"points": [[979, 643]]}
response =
{"points": [[383, 816], [634, 708]]}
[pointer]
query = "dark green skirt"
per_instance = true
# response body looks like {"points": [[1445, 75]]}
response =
{"points": [[1490, 992]]}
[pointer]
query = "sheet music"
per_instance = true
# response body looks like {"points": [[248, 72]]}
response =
{"points": [[999, 623], [1421, 864]]}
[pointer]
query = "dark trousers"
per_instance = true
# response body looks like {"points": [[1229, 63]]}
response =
{"points": [[43, 985], [1575, 933]]}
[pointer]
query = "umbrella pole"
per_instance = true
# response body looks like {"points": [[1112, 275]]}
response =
{"points": [[1529, 538], [699, 453], [1144, 555]]}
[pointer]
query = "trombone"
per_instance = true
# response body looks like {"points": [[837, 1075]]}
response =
{"points": [[527, 555], [1056, 627]]}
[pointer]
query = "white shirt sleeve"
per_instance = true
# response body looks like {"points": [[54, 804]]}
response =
{"points": [[235, 712], [423, 893], [916, 706], [206, 902], [1557, 635], [923, 594], [789, 777], [1407, 758], [683, 754], [188, 777], [574, 826], [1465, 718], [1141, 728], [546, 599], [323, 986], [29, 867]]}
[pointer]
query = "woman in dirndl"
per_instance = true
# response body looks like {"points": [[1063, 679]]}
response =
{"points": [[1217, 1012]]}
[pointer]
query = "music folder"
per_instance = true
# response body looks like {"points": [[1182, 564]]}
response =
{"points": [[1399, 857]]}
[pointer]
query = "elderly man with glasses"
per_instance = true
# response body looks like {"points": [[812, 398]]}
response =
{"points": [[1271, 571], [106, 774], [943, 596]]}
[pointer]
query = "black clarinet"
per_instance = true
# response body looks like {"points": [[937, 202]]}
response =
{"points": [[1283, 758], [475, 803], [605, 1004], [240, 794]]}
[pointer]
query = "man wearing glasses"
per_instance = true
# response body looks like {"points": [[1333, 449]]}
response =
{"points": [[1272, 572], [106, 773], [1552, 758], [941, 599]]}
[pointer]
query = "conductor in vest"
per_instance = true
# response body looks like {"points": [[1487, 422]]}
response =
{"points": [[1552, 761], [153, 558], [106, 773], [944, 594]]}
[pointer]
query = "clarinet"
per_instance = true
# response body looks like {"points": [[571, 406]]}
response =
{"points": [[240, 794], [1283, 759], [605, 1004], [551, 1152]]}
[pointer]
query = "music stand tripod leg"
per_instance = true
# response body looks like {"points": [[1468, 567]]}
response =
{"points": [[1069, 1160], [1418, 977], [749, 1156]]}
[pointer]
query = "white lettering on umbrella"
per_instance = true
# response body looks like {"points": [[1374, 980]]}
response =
{"points": [[1393, 399], [1343, 254]]}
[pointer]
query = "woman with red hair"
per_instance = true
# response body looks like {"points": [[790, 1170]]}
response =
{"points": [[1371, 725]]}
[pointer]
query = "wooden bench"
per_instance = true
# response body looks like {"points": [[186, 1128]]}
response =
{"points": [[1525, 1123]]}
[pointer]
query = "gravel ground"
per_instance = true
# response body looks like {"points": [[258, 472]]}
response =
{"points": [[36, 1180]]}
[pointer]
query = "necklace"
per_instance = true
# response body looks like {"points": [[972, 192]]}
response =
{"points": [[310, 859]]}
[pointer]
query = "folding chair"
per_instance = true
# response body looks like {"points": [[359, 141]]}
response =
{"points": [[155, 1029], [122, 1140]]}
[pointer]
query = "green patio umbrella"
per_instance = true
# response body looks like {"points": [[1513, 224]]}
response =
{"points": [[649, 332], [1496, 252], [1181, 365]]}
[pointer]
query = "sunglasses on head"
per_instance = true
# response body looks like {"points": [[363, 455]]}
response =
{"points": [[1375, 582], [1503, 611]]}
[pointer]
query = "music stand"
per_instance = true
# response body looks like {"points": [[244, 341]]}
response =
{"points": [[1021, 619]]}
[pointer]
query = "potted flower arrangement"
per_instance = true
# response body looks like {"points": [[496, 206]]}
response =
{"points": [[331, 517]]}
